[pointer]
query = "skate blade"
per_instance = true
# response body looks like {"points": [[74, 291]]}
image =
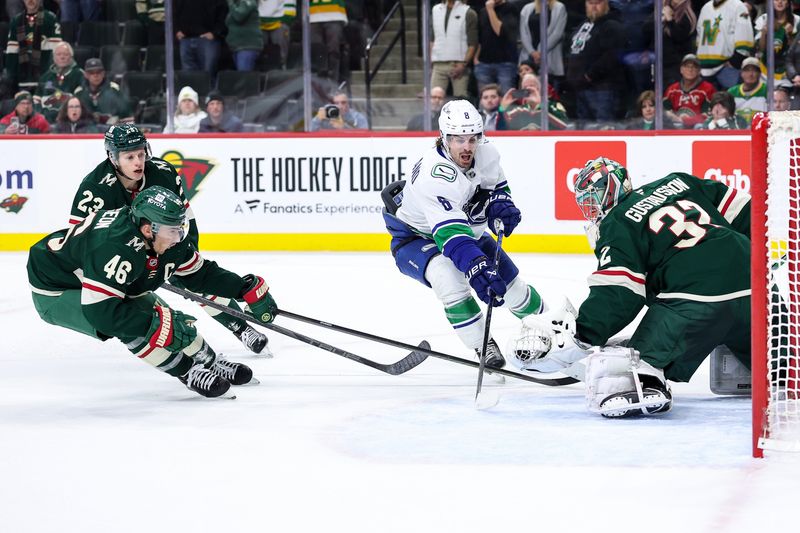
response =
{"points": [[497, 379], [253, 381], [486, 400], [266, 353]]}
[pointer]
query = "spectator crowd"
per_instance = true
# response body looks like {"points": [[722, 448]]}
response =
{"points": [[600, 61], [79, 66]]}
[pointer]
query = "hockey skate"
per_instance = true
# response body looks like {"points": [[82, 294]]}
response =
{"points": [[235, 373], [625, 404], [205, 382], [494, 358], [254, 340]]}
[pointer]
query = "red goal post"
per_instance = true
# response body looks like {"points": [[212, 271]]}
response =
{"points": [[775, 281]]}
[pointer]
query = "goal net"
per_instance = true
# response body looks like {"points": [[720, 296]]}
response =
{"points": [[775, 270]]}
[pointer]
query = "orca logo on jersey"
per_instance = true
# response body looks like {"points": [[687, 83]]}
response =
{"points": [[446, 172]]}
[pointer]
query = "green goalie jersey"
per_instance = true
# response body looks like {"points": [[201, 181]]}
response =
{"points": [[101, 189], [678, 237], [105, 257]]}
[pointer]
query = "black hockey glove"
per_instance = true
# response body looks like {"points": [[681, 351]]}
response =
{"points": [[482, 277]]}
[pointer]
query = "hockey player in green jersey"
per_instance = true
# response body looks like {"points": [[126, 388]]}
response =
{"points": [[130, 168], [98, 278], [681, 247]]}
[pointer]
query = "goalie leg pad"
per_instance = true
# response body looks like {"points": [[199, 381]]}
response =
{"points": [[619, 384]]}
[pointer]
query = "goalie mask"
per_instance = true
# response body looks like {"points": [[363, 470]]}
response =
{"points": [[164, 210], [461, 131], [599, 186]]}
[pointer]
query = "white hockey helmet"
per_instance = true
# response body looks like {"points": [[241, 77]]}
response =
{"points": [[459, 117]]}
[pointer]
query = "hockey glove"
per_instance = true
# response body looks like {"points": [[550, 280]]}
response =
{"points": [[483, 277], [502, 207], [256, 294], [171, 329]]}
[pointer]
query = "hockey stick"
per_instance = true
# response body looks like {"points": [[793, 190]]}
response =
{"points": [[489, 402], [550, 382], [400, 367]]}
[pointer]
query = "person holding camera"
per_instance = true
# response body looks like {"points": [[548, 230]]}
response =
{"points": [[521, 108], [338, 116], [23, 119]]}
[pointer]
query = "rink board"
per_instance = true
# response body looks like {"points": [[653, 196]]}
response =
{"points": [[322, 192]]}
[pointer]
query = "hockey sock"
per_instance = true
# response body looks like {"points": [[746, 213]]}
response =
{"points": [[467, 320], [233, 324], [523, 302]]}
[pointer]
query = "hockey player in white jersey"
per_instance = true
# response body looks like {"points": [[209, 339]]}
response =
{"points": [[438, 222]]}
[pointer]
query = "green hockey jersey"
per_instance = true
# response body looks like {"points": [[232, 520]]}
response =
{"points": [[105, 257], [678, 237], [101, 189]]}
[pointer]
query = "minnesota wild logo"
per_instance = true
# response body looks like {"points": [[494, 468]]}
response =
{"points": [[13, 203], [191, 171]]}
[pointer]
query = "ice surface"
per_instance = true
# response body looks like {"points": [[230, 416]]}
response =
{"points": [[93, 440]]}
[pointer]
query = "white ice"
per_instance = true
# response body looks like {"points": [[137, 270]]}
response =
{"points": [[93, 440]]}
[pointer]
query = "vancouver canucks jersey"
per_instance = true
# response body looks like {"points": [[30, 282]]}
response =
{"points": [[678, 237], [102, 189], [105, 257], [447, 204]]}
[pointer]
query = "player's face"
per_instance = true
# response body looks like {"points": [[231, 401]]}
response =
{"points": [[168, 236], [131, 164], [462, 148]]}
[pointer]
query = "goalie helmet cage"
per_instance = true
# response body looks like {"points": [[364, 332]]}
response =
{"points": [[775, 281]]}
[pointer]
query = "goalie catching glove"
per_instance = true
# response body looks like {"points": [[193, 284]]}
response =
{"points": [[260, 302], [546, 342], [171, 329]]}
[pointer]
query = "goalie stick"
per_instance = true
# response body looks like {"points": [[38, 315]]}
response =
{"points": [[402, 366], [550, 382]]}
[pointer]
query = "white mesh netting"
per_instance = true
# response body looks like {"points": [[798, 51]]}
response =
{"points": [[783, 282]]}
